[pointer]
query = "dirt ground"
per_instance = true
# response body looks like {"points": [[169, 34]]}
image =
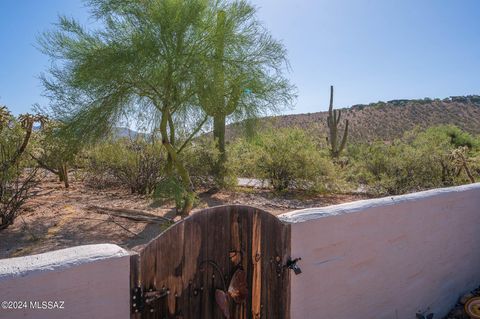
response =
{"points": [[58, 218]]}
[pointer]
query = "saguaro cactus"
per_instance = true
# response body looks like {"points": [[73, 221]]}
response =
{"points": [[27, 121], [333, 120]]}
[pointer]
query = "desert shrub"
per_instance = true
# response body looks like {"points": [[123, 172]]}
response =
{"points": [[16, 178], [447, 144], [288, 159], [138, 164], [169, 189], [394, 168], [200, 158], [475, 164], [420, 160], [442, 137]]}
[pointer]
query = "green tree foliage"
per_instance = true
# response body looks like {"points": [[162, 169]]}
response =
{"points": [[143, 60], [242, 72], [289, 159]]}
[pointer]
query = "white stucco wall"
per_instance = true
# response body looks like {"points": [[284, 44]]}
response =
{"points": [[386, 258], [92, 282]]}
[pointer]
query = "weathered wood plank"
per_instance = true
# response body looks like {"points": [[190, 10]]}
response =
{"points": [[200, 254], [257, 266], [134, 280], [238, 257]]}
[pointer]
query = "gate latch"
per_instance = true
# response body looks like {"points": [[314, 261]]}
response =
{"points": [[141, 299], [292, 264]]}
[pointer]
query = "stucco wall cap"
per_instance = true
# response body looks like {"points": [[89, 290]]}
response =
{"points": [[303, 215], [59, 259]]}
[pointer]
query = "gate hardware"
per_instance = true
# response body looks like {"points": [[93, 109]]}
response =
{"points": [[141, 298], [292, 264]]}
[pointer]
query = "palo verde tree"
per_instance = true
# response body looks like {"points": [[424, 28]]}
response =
{"points": [[242, 74], [53, 151], [333, 120], [143, 60]]}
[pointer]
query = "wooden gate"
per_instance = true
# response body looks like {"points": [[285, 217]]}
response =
{"points": [[222, 262]]}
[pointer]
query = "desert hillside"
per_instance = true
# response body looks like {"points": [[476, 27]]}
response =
{"points": [[385, 120]]}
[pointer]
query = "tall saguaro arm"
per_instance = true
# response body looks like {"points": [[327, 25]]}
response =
{"points": [[333, 120]]}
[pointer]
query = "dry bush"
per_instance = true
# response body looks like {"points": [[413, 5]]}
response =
{"points": [[439, 156], [289, 159], [136, 164], [13, 194]]}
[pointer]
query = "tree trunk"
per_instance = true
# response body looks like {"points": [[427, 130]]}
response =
{"points": [[169, 165], [60, 174], [63, 174], [469, 174], [219, 136], [28, 133], [181, 170]]}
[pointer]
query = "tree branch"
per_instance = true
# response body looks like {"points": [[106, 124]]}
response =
{"points": [[199, 127]]}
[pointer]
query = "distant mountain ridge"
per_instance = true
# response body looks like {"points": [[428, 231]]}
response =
{"points": [[123, 132], [384, 120]]}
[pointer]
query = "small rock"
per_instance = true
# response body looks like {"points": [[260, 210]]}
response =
{"points": [[466, 298]]}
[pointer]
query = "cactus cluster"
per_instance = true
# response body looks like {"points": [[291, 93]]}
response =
{"points": [[5, 117], [333, 120], [13, 189], [27, 121], [459, 159]]}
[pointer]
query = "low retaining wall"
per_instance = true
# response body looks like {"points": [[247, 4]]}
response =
{"points": [[80, 282], [386, 258]]}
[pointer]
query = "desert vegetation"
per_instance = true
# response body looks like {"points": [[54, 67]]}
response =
{"points": [[292, 162], [188, 74], [382, 120], [439, 156], [16, 177], [176, 65]]}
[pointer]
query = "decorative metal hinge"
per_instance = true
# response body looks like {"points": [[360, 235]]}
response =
{"points": [[142, 299], [292, 264]]}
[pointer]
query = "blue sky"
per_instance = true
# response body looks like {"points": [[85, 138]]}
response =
{"points": [[370, 50]]}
